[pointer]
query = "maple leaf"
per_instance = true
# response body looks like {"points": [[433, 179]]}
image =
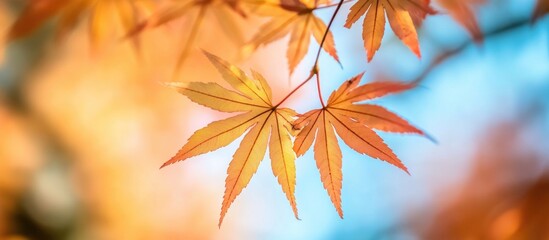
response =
{"points": [[297, 19], [260, 117], [223, 10], [402, 14], [541, 9], [353, 123], [102, 15], [462, 12]]}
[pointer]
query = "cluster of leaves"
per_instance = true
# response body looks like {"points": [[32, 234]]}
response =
{"points": [[294, 17], [269, 124], [287, 16], [287, 134]]}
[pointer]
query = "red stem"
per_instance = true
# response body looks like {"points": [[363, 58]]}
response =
{"points": [[319, 91]]}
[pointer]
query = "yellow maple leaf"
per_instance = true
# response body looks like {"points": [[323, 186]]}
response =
{"points": [[296, 18], [402, 14], [353, 123], [260, 117], [222, 10]]}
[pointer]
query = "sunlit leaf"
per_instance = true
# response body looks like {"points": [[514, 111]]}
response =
{"points": [[265, 123], [297, 19], [402, 14], [462, 11], [353, 123], [224, 11]]}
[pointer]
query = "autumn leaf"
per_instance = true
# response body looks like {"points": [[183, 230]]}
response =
{"points": [[265, 123], [103, 13], [542, 8], [223, 10], [296, 18], [402, 14], [354, 123], [462, 11]]}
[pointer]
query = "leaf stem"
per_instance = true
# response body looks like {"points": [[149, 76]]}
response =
{"points": [[314, 70], [319, 91], [326, 34], [295, 89]]}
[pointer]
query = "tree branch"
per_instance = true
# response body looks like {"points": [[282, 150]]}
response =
{"points": [[493, 33]]}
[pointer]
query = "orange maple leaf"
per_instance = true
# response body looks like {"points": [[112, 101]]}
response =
{"points": [[102, 15], [223, 10], [252, 97], [402, 14], [296, 18], [353, 123], [462, 11]]}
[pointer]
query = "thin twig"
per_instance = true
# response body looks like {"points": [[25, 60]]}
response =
{"points": [[442, 57], [319, 90]]}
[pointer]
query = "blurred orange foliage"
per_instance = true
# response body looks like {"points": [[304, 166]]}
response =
{"points": [[20, 159], [5, 19], [113, 123], [105, 17], [115, 120], [505, 197]]}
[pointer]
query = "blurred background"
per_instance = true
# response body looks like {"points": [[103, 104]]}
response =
{"points": [[84, 128]]}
